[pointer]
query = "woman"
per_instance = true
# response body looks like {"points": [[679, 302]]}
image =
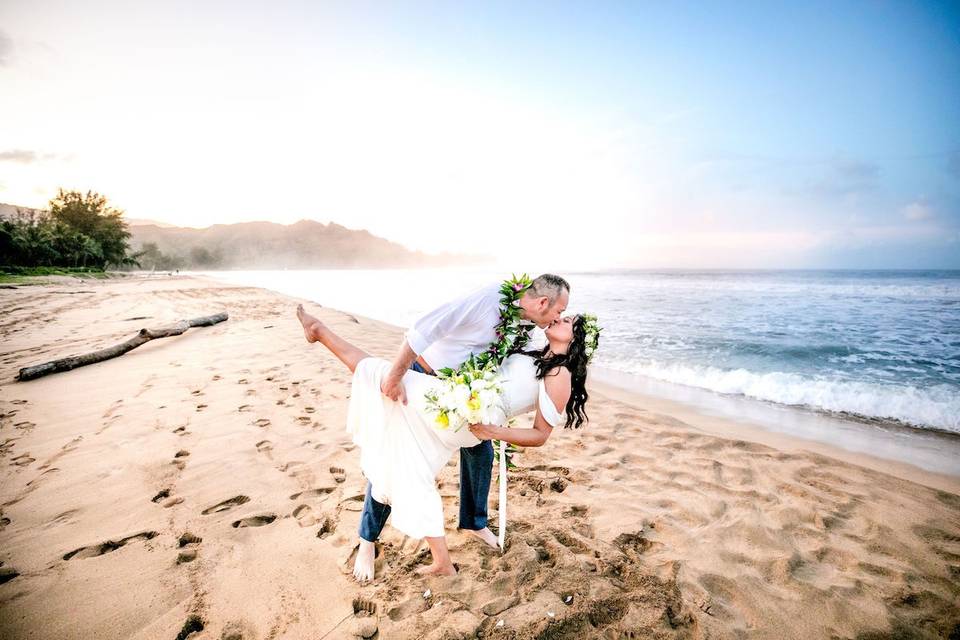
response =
{"points": [[401, 449]]}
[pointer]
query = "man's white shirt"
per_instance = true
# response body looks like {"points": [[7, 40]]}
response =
{"points": [[446, 336]]}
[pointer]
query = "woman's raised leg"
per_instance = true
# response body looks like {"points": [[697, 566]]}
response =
{"points": [[316, 331]]}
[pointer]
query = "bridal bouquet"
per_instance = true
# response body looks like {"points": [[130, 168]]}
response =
{"points": [[468, 395]]}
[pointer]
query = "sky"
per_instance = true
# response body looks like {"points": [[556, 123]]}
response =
{"points": [[640, 134]]}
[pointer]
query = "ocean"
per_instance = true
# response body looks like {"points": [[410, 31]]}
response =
{"points": [[875, 346]]}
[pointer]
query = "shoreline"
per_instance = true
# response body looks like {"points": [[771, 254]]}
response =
{"points": [[206, 482], [724, 427]]}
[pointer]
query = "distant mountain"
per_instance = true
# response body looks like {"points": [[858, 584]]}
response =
{"points": [[267, 245], [139, 222], [8, 211]]}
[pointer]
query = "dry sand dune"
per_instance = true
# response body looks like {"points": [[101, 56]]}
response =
{"points": [[203, 486]]}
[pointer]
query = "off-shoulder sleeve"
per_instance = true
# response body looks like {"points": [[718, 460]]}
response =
{"points": [[548, 410]]}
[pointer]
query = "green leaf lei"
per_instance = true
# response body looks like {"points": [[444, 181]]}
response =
{"points": [[510, 332], [510, 335]]}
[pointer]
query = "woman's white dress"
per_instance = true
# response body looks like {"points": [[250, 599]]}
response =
{"points": [[401, 449]]}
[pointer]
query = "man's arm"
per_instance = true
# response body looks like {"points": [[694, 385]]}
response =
{"points": [[438, 323], [392, 384]]}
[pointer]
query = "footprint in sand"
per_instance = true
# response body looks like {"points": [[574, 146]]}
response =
{"points": [[108, 546], [226, 505], [354, 502], [201, 407], [217, 377], [304, 515], [180, 431], [265, 446], [287, 466], [197, 392], [319, 492], [309, 409], [188, 538], [244, 408], [327, 526], [18, 402], [243, 381], [162, 495], [24, 426], [364, 606], [262, 422], [109, 412], [23, 460], [338, 474], [194, 624], [304, 419], [255, 521], [181, 454], [188, 544], [563, 471], [186, 555]]}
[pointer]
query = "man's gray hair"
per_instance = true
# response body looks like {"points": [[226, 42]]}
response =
{"points": [[549, 285]]}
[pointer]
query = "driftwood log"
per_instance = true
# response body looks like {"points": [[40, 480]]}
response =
{"points": [[145, 335]]}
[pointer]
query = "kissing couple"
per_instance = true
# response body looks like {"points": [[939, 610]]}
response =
{"points": [[472, 352]]}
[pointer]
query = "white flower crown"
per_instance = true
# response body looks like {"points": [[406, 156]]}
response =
{"points": [[592, 338]]}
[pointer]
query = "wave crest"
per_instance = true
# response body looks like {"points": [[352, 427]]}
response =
{"points": [[936, 406]]}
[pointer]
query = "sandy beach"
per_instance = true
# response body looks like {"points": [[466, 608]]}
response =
{"points": [[203, 486]]}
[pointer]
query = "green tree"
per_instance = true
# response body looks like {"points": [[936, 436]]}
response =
{"points": [[94, 230]]}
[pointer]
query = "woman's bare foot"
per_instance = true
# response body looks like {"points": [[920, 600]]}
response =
{"points": [[311, 326], [436, 569], [486, 535], [363, 565]]}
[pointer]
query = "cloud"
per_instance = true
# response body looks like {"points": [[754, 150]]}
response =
{"points": [[26, 156], [917, 211], [22, 156], [6, 48]]}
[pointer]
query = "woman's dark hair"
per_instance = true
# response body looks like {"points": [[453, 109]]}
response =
{"points": [[575, 360]]}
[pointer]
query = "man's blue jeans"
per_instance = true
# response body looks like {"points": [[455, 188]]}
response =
{"points": [[476, 464]]}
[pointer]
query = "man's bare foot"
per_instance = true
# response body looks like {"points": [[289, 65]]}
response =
{"points": [[311, 326], [363, 565], [486, 535], [437, 570]]}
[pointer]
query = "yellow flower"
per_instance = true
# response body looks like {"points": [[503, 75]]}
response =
{"points": [[474, 402], [443, 421]]}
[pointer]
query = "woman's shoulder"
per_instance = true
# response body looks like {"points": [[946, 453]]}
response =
{"points": [[557, 384]]}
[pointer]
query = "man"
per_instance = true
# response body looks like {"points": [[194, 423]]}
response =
{"points": [[443, 338]]}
